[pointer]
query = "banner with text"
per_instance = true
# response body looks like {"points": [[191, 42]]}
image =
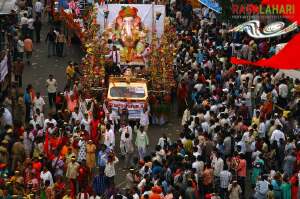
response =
{"points": [[135, 109]]}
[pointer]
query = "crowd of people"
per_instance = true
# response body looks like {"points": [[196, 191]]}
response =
{"points": [[239, 136]]}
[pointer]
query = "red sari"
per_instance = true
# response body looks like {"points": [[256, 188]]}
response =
{"points": [[294, 183], [94, 129]]}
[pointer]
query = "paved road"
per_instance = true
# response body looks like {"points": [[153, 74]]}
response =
{"points": [[42, 66]]}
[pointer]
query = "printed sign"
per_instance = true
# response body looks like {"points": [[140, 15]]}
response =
{"points": [[134, 108]]}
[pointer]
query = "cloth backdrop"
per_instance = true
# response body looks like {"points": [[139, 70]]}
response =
{"points": [[144, 12]]}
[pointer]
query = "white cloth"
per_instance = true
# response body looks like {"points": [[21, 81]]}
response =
{"points": [[38, 103], [110, 168], [30, 23], [115, 55], [86, 123], [199, 166], [109, 140], [76, 116], [51, 85], [277, 135], [40, 119], [53, 121], [262, 130], [124, 130], [144, 121], [6, 118], [186, 116], [38, 7], [23, 21], [218, 165], [283, 90], [20, 46], [46, 176]]}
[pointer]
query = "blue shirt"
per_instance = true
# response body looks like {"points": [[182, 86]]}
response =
{"points": [[102, 159], [199, 57], [27, 98], [156, 170]]}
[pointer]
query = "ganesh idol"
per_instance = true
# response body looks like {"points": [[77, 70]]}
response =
{"points": [[128, 35]]}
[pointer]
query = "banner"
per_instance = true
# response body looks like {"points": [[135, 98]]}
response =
{"points": [[3, 68], [134, 109], [145, 12], [212, 5]]}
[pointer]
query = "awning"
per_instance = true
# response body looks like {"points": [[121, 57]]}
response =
{"points": [[6, 6]]}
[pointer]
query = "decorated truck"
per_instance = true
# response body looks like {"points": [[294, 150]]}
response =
{"points": [[128, 93]]}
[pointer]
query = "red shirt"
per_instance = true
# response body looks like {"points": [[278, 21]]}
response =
{"points": [[242, 168], [82, 173]]}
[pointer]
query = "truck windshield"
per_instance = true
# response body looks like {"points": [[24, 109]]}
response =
{"points": [[127, 92]]}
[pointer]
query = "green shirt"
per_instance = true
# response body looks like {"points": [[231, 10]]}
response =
{"points": [[286, 190]]}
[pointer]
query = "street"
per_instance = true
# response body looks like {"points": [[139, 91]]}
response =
{"points": [[42, 66]]}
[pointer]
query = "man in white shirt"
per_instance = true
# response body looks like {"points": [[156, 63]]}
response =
{"points": [[24, 24], [46, 176], [109, 137], [114, 54], [76, 115], [24, 20], [48, 121], [217, 164], [125, 128], [5, 117], [198, 165], [51, 84], [38, 8], [38, 103], [283, 92], [30, 26], [20, 48], [39, 118], [86, 121], [277, 135], [262, 129], [144, 120]]}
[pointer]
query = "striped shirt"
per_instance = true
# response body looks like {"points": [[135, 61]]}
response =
{"points": [[99, 184], [225, 178]]}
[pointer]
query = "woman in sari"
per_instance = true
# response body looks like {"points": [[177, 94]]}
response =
{"points": [[294, 183], [276, 183], [258, 166]]}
